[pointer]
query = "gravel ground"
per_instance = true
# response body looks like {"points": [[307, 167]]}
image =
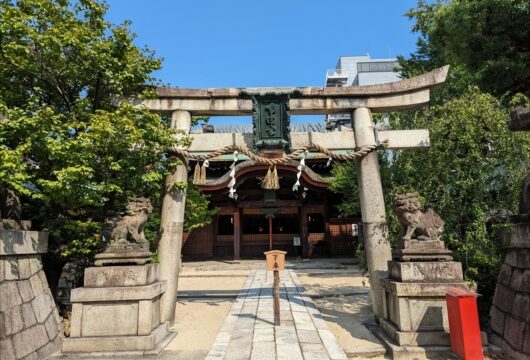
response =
{"points": [[345, 316], [198, 320], [327, 282]]}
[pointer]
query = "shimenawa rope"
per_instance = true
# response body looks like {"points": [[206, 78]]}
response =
{"points": [[271, 180], [277, 161]]}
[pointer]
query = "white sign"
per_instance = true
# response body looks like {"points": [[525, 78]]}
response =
{"points": [[296, 241], [355, 230]]}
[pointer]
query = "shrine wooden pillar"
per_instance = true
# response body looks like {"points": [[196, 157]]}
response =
{"points": [[302, 214], [237, 233], [172, 226], [376, 244]]}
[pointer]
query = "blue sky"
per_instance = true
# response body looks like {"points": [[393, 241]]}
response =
{"points": [[236, 43]]}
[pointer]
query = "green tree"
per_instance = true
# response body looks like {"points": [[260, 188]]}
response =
{"points": [[344, 181], [486, 44], [485, 41], [66, 143], [470, 174], [198, 211]]}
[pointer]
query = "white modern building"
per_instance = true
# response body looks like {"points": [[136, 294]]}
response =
{"points": [[358, 71]]}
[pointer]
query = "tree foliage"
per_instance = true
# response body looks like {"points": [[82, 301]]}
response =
{"points": [[471, 175], [198, 211], [344, 181], [487, 43], [66, 55], [66, 143]]}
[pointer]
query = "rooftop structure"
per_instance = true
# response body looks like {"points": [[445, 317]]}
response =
{"points": [[362, 70], [358, 71]]}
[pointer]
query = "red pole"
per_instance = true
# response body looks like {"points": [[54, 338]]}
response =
{"points": [[270, 233]]}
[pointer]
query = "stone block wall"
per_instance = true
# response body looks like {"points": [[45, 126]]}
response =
{"points": [[510, 312], [30, 325]]}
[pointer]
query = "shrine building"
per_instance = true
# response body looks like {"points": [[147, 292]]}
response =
{"points": [[304, 214], [275, 192]]}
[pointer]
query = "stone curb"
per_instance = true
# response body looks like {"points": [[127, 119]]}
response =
{"points": [[364, 353]]}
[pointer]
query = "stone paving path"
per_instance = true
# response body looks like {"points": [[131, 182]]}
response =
{"points": [[249, 332]]}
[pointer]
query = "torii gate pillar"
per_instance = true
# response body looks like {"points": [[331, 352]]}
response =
{"points": [[172, 226], [375, 233]]}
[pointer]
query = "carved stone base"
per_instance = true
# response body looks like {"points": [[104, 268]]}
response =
{"points": [[426, 250], [408, 352], [113, 276], [118, 310], [415, 338], [123, 258], [416, 308], [425, 271], [118, 346]]}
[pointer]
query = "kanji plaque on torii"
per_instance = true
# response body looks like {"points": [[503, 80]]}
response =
{"points": [[361, 143]]}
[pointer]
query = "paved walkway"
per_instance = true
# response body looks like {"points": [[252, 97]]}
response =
{"points": [[248, 331]]}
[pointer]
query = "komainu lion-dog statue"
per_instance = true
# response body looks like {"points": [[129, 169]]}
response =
{"points": [[127, 232], [417, 224]]}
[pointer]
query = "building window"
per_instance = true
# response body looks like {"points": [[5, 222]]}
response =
{"points": [[315, 223], [255, 224], [286, 224], [377, 66], [225, 225], [281, 224]]}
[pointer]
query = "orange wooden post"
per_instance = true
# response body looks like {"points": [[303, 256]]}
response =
{"points": [[276, 262], [276, 295]]}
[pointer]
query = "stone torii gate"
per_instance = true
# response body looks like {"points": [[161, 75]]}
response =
{"points": [[360, 101]]}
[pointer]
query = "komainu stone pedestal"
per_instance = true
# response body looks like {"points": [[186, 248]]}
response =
{"points": [[510, 312], [118, 311], [415, 312]]}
